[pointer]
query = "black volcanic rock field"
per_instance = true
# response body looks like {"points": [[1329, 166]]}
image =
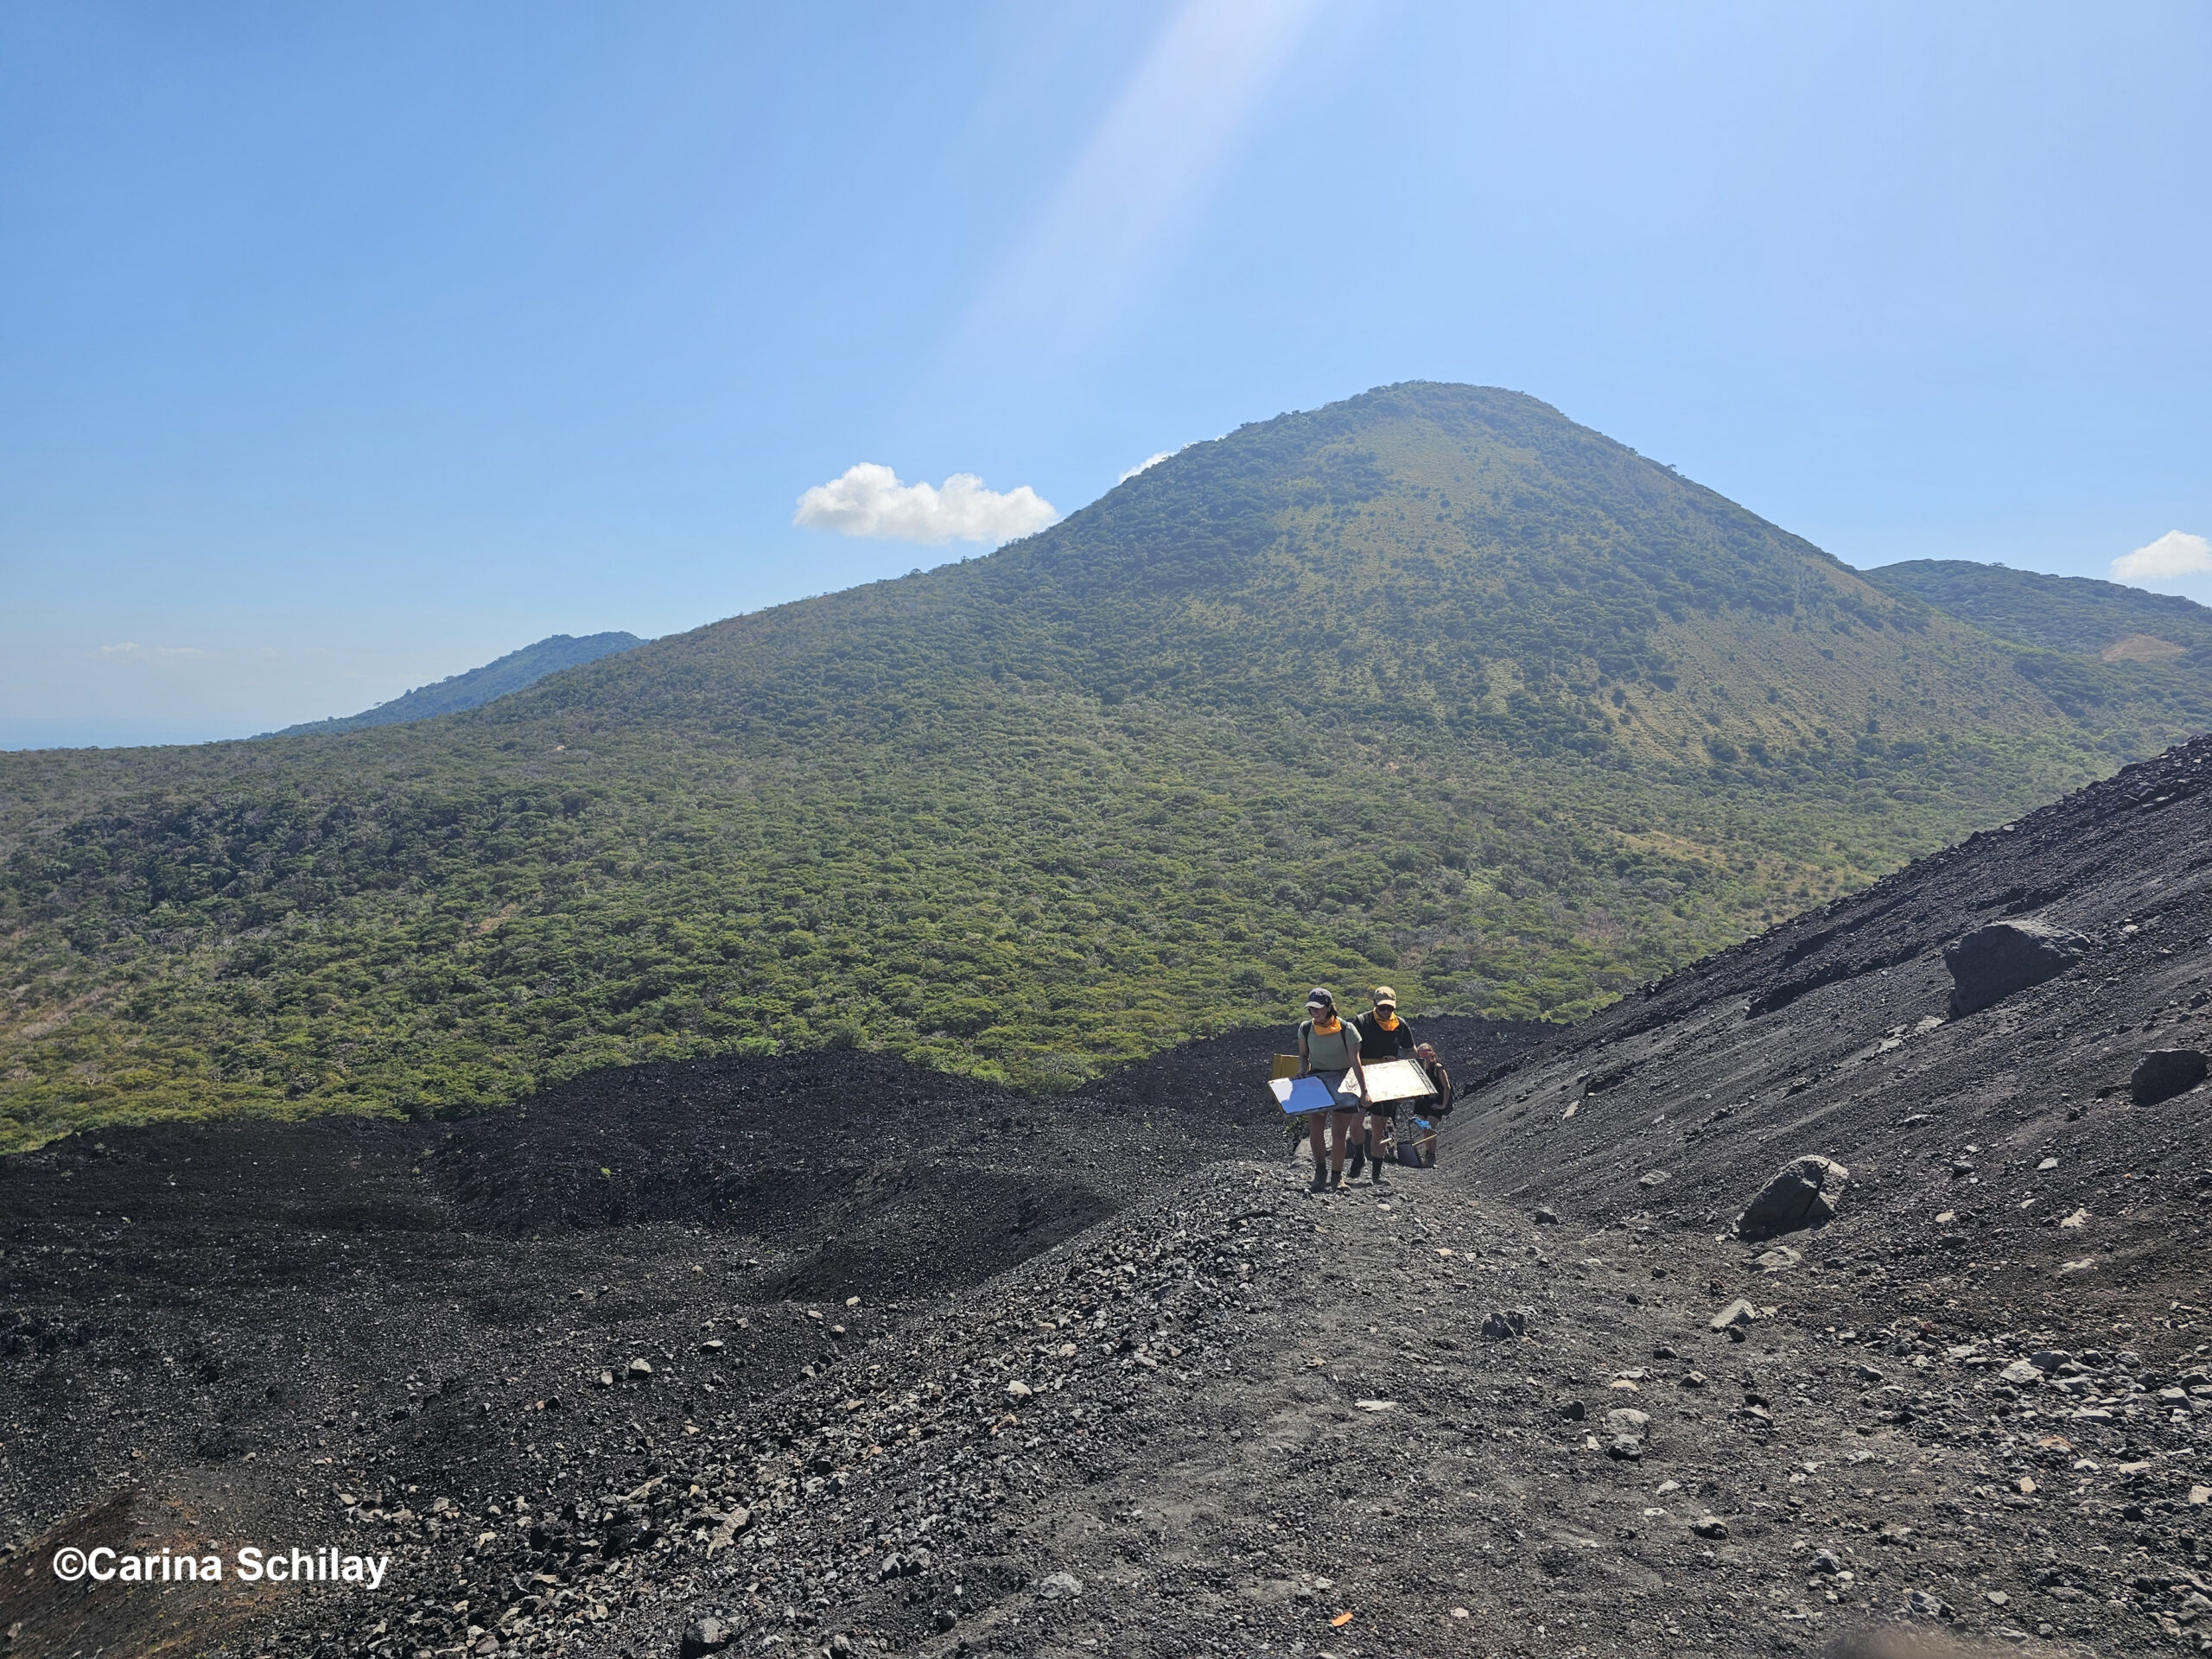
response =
{"points": [[834, 1355]]}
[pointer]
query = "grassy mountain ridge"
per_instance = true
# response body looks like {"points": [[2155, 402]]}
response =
{"points": [[497, 678], [2091, 647], [2080, 615], [1432, 685]]}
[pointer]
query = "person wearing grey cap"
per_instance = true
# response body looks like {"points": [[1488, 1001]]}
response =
{"points": [[1328, 1047]]}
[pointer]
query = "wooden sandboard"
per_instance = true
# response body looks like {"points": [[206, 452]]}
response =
{"points": [[1389, 1080]]}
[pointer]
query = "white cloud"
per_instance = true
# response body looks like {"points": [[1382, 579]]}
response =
{"points": [[2174, 555], [869, 500], [131, 651], [1146, 464]]}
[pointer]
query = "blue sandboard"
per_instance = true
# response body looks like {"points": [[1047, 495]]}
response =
{"points": [[1303, 1095]]}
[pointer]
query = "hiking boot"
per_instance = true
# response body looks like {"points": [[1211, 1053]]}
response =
{"points": [[1358, 1160], [1320, 1180], [1377, 1177], [1337, 1183]]}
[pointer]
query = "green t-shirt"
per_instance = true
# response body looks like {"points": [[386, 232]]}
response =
{"points": [[1331, 1051]]}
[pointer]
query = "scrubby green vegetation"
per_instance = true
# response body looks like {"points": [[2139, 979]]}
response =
{"points": [[1432, 685], [2075, 614]]}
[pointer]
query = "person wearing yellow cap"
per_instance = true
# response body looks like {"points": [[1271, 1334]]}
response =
{"points": [[1382, 1036], [1328, 1046]]}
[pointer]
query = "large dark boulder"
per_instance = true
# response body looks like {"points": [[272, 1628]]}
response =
{"points": [[708, 1636], [2164, 1072], [1805, 1192], [1990, 964]]}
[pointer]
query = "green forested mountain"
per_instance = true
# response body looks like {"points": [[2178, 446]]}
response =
{"points": [[1431, 685], [479, 686], [2077, 615]]}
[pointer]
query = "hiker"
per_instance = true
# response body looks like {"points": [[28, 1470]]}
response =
{"points": [[1438, 1109], [1439, 1078], [1382, 1036], [1328, 1047]]}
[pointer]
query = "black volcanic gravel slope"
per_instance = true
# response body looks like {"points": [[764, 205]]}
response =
{"points": [[1830, 1035], [205, 1329], [1536, 1401]]}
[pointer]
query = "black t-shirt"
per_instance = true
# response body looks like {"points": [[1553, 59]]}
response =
{"points": [[1377, 1044], [1441, 1081]]}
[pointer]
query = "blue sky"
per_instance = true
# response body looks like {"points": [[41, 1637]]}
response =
{"points": [[344, 347]]}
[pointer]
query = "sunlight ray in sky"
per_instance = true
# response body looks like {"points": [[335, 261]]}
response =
{"points": [[1145, 172]]}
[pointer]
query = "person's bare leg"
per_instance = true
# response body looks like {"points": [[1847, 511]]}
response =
{"points": [[1344, 1123], [1317, 1139]]}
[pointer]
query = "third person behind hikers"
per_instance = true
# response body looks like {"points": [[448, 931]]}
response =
{"points": [[1328, 1047], [1382, 1036]]}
